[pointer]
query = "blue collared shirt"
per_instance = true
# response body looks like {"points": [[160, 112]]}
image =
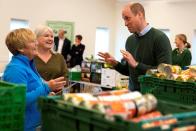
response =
{"points": [[145, 30]]}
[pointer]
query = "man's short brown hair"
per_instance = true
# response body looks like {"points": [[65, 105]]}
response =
{"points": [[136, 8]]}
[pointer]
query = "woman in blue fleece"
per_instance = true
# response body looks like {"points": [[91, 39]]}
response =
{"points": [[21, 69]]}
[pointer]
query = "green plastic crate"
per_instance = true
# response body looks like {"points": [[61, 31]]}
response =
{"points": [[169, 107], [170, 90], [73, 118], [12, 106], [60, 115], [184, 119]]}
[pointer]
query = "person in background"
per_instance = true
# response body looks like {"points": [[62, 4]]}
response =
{"points": [[50, 65], [146, 48], [62, 44], [181, 55], [77, 51], [21, 70]]}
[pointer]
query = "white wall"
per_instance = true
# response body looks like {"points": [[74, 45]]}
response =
{"points": [[86, 14], [176, 15]]}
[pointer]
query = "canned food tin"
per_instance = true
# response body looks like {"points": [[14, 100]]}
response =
{"points": [[119, 92], [160, 75], [185, 128], [154, 114], [151, 102], [169, 69], [172, 76], [151, 72], [145, 104], [109, 98], [141, 105], [161, 67], [130, 95], [124, 109], [159, 123]]}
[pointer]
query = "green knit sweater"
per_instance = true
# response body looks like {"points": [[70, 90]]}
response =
{"points": [[181, 59], [149, 51], [54, 68]]}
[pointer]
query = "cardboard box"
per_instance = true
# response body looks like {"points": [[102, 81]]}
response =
{"points": [[108, 77]]}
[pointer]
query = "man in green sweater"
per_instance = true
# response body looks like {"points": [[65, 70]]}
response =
{"points": [[146, 48]]}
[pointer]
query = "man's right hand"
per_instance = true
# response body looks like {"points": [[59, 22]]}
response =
{"points": [[108, 58]]}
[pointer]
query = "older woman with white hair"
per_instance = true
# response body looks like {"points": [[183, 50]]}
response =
{"points": [[50, 65]]}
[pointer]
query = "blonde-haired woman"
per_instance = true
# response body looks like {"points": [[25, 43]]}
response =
{"points": [[21, 69], [181, 55], [50, 65]]}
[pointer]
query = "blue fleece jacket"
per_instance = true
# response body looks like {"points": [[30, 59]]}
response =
{"points": [[21, 70]]}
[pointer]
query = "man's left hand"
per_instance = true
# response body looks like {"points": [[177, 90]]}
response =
{"points": [[129, 58]]}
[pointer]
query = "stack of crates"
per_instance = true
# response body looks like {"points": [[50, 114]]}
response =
{"points": [[58, 114], [12, 106]]}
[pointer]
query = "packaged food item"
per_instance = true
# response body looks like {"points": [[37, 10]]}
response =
{"points": [[151, 72], [161, 68], [169, 69], [151, 102], [103, 93], [89, 104], [119, 92], [119, 96], [185, 128], [156, 123], [124, 109], [172, 76], [130, 95], [154, 114], [193, 71], [185, 72], [141, 104], [160, 75], [191, 79], [113, 92], [77, 98], [108, 98], [183, 78], [145, 104], [176, 69], [100, 107]]}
